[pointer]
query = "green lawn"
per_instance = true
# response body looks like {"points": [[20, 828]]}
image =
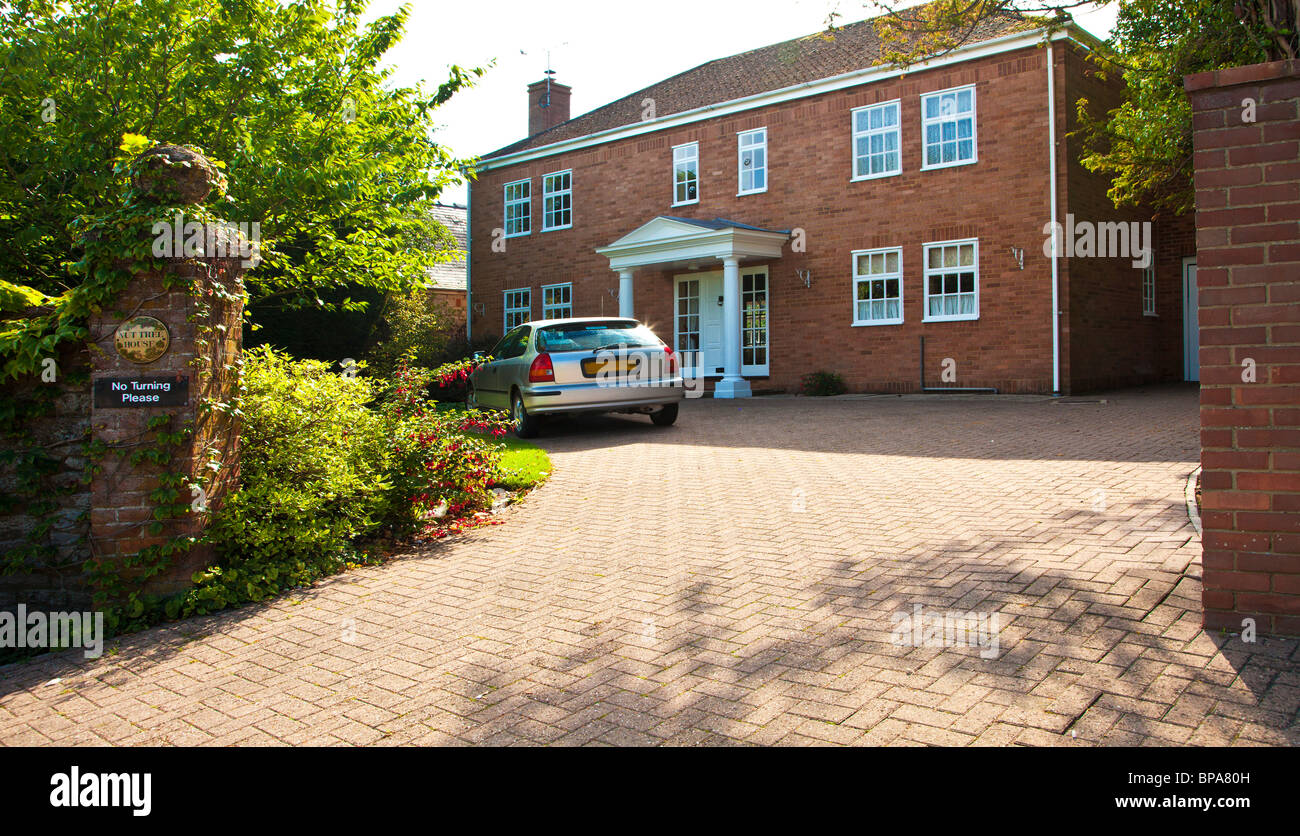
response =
{"points": [[526, 465]]}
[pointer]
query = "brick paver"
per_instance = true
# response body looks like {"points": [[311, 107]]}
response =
{"points": [[732, 581]]}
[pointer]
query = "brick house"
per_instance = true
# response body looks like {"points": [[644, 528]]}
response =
{"points": [[800, 207]]}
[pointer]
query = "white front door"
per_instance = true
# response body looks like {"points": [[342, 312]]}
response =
{"points": [[1191, 323], [698, 326]]}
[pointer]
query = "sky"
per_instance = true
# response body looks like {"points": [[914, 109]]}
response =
{"points": [[603, 50]]}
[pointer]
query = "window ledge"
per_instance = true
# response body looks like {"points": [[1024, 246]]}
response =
{"points": [[949, 165], [965, 318], [861, 177], [875, 324]]}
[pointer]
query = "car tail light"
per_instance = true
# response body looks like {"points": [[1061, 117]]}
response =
{"points": [[672, 360], [542, 371]]}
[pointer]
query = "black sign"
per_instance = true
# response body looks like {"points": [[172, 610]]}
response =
{"points": [[145, 391]]}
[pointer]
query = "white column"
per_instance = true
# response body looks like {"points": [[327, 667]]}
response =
{"points": [[732, 384], [625, 294]]}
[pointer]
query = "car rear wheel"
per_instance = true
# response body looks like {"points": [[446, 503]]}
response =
{"points": [[666, 416], [526, 425]]}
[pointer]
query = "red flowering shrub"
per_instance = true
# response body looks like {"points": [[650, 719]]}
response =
{"points": [[440, 472]]}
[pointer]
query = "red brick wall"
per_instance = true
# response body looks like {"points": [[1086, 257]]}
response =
{"points": [[453, 300], [1110, 342], [1248, 237], [1003, 200], [110, 516], [121, 507]]}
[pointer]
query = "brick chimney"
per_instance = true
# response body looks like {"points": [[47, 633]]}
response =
{"points": [[547, 106]]}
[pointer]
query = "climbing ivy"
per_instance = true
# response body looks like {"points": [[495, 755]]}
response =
{"points": [[117, 246]]}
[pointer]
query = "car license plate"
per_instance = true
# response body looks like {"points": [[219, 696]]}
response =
{"points": [[593, 366]]}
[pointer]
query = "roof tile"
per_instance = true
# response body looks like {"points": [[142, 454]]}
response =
{"points": [[814, 57]]}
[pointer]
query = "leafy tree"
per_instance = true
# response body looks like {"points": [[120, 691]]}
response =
{"points": [[336, 164], [1145, 144]]}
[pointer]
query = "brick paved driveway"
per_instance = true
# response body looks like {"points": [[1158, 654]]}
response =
{"points": [[732, 580]]}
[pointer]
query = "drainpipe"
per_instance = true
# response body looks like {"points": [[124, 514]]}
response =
{"points": [[469, 260], [1056, 274]]}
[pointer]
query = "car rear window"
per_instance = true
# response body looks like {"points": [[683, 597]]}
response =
{"points": [[591, 336]]}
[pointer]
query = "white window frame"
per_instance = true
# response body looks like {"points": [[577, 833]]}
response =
{"points": [[694, 159], [526, 201], [1149, 290], [549, 194], [859, 278], [757, 369], [956, 118], [896, 129], [741, 150], [692, 358], [564, 308], [523, 297], [927, 272]]}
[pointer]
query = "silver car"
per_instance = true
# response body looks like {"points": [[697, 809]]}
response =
{"points": [[564, 366]]}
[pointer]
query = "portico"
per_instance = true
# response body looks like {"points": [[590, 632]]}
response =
{"points": [[668, 242]]}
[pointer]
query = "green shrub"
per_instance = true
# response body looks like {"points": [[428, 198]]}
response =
{"points": [[418, 327], [313, 478], [823, 384], [329, 460]]}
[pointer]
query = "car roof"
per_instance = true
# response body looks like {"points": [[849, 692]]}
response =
{"points": [[541, 323]]}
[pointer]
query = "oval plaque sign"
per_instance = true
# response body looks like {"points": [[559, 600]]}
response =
{"points": [[142, 339]]}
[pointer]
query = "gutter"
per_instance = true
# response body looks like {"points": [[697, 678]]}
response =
{"points": [[1056, 261], [469, 259]]}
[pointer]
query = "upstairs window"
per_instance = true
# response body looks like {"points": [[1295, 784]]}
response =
{"points": [[686, 174], [519, 208], [876, 141], [557, 201], [753, 161], [948, 125], [557, 301], [952, 281], [518, 307]]}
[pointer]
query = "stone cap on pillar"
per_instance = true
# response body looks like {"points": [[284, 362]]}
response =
{"points": [[176, 173]]}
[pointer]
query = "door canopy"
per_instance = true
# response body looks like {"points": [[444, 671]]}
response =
{"points": [[667, 241]]}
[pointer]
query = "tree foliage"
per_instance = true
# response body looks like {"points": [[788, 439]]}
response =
{"points": [[335, 163], [1145, 144]]}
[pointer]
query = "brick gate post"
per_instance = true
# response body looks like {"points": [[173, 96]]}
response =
{"points": [[165, 359], [1247, 163]]}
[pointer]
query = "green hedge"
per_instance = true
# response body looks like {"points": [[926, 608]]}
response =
{"points": [[315, 461]]}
